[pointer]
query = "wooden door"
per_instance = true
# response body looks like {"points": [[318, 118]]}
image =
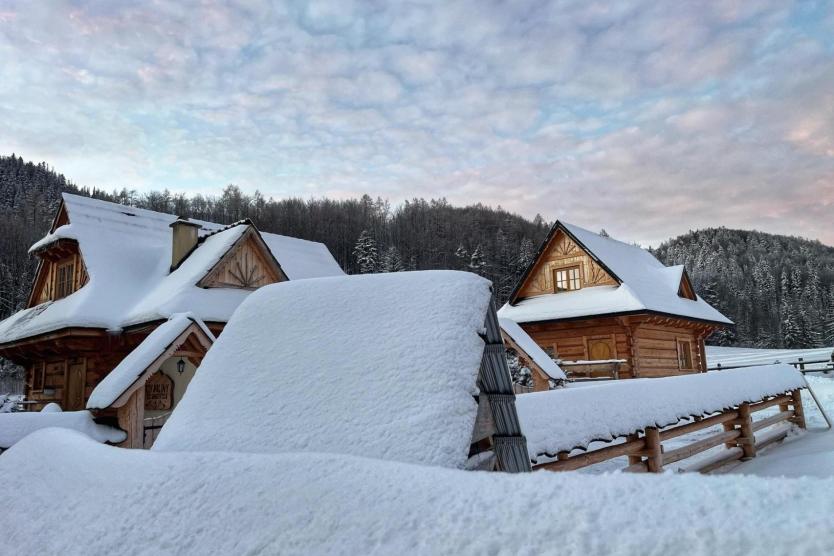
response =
{"points": [[600, 349], [74, 390]]}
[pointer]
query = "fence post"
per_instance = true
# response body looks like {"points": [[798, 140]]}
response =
{"points": [[747, 440], [799, 413], [801, 364], [654, 450], [633, 458]]}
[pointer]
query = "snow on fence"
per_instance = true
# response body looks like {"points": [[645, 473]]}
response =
{"points": [[648, 411]]}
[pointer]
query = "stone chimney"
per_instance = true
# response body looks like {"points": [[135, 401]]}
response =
{"points": [[184, 238]]}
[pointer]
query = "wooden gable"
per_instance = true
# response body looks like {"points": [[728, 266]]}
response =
{"points": [[248, 264], [61, 269], [685, 289], [561, 251]]}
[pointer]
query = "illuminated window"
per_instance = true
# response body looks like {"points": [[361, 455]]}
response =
{"points": [[567, 279], [64, 280]]}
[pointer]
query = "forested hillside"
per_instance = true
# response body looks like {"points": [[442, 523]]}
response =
{"points": [[779, 290]]}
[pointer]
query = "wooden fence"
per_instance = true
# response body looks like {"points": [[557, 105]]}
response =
{"points": [[826, 365], [645, 450]]}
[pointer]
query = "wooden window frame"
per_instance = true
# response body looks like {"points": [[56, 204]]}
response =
{"points": [[38, 375], [68, 281], [679, 342], [569, 280]]}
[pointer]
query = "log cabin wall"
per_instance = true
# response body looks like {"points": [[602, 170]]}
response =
{"points": [[651, 345], [577, 340]]}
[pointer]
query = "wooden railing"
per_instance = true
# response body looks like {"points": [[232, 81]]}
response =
{"points": [[586, 370], [645, 450]]}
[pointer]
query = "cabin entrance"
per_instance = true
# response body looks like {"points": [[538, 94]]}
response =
{"points": [[163, 391]]}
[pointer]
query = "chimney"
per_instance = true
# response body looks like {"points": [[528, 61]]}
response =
{"points": [[184, 237]]}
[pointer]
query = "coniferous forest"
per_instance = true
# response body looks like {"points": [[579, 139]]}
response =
{"points": [[779, 290]]}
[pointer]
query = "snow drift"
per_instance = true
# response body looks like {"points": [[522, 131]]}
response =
{"points": [[105, 500], [380, 365]]}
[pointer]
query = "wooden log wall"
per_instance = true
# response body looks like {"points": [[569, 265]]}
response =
{"points": [[646, 452]]}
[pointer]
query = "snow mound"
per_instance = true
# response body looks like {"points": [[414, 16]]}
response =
{"points": [[568, 418], [227, 503], [380, 365], [15, 426]]}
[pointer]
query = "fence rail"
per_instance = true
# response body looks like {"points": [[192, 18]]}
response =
{"points": [[646, 452], [800, 364]]}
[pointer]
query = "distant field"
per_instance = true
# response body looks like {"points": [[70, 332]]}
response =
{"points": [[729, 356]]}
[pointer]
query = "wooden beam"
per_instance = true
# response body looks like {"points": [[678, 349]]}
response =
{"points": [[700, 446], [654, 450], [131, 420], [747, 439], [772, 420], [698, 425], [799, 413], [592, 457]]}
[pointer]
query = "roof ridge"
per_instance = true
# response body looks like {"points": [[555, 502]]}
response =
{"points": [[226, 227]]}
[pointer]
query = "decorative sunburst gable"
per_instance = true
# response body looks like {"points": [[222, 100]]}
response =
{"points": [[685, 289], [248, 264], [560, 251]]}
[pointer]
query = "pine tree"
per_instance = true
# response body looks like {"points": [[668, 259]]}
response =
{"points": [[462, 256], [365, 251], [477, 262], [392, 261]]}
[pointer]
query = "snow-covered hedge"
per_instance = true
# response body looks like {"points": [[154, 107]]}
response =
{"points": [[15, 426], [564, 419], [85, 498]]}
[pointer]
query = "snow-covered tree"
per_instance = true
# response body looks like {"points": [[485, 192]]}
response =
{"points": [[392, 261], [477, 261], [365, 251]]}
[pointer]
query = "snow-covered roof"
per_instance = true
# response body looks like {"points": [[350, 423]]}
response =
{"points": [[15, 426], [131, 368], [568, 418], [532, 349], [86, 498], [645, 284], [127, 254], [375, 365]]}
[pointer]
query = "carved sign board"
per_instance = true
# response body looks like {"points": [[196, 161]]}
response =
{"points": [[159, 391]]}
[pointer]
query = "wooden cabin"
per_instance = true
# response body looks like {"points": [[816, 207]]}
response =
{"points": [[604, 307], [109, 275]]}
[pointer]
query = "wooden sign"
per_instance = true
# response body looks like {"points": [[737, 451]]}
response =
{"points": [[159, 391]]}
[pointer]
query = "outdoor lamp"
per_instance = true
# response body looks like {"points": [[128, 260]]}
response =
{"points": [[181, 366]]}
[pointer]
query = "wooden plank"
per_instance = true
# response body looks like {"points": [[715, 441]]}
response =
{"points": [[706, 423], [131, 420], [594, 456], [772, 420], [771, 439], [700, 446]]}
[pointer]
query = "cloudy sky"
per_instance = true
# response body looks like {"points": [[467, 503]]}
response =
{"points": [[646, 118]]}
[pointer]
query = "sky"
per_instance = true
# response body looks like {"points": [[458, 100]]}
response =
{"points": [[647, 119]]}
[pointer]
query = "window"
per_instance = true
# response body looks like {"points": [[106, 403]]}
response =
{"points": [[684, 355], [567, 279], [64, 279], [37, 377]]}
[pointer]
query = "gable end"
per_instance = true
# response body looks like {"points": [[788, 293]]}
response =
{"points": [[561, 249], [248, 264]]}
